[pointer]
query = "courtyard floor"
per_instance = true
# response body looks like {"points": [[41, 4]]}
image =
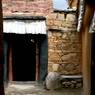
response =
{"points": [[35, 88]]}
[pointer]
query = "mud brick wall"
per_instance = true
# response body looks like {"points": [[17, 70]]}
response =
{"points": [[64, 44], [26, 7]]}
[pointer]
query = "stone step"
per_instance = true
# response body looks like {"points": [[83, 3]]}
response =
{"points": [[71, 76]]}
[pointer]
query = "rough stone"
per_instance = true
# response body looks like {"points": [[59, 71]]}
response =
{"points": [[61, 17], [53, 81], [57, 22], [52, 16], [50, 22], [71, 17], [72, 83], [65, 49]]}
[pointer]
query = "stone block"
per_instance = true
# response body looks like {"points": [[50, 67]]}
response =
{"points": [[61, 17], [72, 83], [68, 47], [49, 67], [72, 36], [71, 57], [53, 27], [52, 16], [49, 22], [72, 68], [57, 22], [65, 36], [55, 67], [65, 68], [67, 57], [69, 25], [71, 17]]}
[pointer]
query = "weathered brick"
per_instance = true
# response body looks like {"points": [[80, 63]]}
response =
{"points": [[24, 6], [71, 17], [61, 17], [57, 22], [52, 16], [50, 22]]}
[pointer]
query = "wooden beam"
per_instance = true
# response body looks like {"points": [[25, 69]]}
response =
{"points": [[86, 50], [37, 62], [10, 74], [86, 61]]}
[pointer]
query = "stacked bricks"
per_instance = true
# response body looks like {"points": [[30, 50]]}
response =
{"points": [[26, 7], [62, 21]]}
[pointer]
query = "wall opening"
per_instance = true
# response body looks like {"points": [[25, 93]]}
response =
{"points": [[24, 57]]}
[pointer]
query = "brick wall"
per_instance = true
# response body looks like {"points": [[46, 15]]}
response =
{"points": [[64, 43], [27, 7]]}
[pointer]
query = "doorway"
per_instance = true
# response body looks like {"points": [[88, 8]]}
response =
{"points": [[24, 58], [22, 66]]}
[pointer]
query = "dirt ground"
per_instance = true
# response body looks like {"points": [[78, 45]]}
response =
{"points": [[35, 88]]}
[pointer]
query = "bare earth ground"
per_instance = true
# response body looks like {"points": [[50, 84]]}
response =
{"points": [[35, 88]]}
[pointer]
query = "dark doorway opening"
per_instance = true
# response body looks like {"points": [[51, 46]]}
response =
{"points": [[23, 57]]}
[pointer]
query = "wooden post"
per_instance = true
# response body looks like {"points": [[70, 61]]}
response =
{"points": [[86, 61], [10, 74], [1, 51], [86, 50], [37, 62]]}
